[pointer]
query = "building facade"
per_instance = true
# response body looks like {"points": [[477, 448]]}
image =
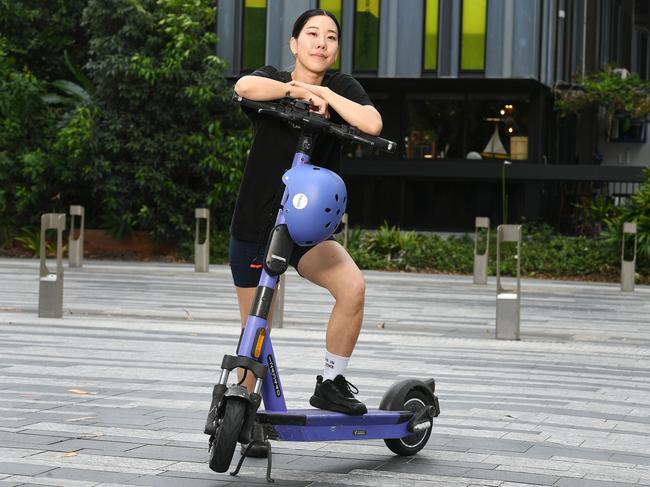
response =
{"points": [[467, 89]]}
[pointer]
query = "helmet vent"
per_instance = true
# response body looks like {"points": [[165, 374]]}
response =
{"points": [[336, 196], [338, 212], [309, 242], [328, 224], [327, 210], [316, 168]]}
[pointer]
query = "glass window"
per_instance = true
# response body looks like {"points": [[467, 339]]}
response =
{"points": [[472, 44], [254, 34], [431, 35], [434, 128], [334, 7], [497, 128], [366, 35], [455, 127]]}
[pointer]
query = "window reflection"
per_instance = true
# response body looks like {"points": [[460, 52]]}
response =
{"points": [[472, 44], [431, 35], [254, 34], [366, 35], [434, 128], [456, 127], [497, 129]]}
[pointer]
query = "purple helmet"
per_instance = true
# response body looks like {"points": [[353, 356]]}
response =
{"points": [[315, 203]]}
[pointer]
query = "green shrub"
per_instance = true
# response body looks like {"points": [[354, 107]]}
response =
{"points": [[635, 209], [544, 253]]}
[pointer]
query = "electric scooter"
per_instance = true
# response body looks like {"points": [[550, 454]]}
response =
{"points": [[404, 419]]}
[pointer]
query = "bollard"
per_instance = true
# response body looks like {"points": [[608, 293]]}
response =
{"points": [[278, 308], [50, 288], [202, 250], [508, 301], [76, 245], [344, 220], [481, 260], [628, 267]]}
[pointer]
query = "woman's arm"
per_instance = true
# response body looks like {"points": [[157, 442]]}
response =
{"points": [[259, 88], [365, 117]]}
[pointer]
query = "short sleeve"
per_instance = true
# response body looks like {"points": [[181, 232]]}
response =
{"points": [[265, 72], [351, 89]]}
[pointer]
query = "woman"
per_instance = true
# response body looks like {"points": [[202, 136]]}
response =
{"points": [[314, 43]]}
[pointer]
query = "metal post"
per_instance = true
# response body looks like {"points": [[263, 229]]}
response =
{"points": [[481, 260], [278, 308], [628, 267], [202, 249], [50, 288], [508, 300], [344, 220], [76, 245]]}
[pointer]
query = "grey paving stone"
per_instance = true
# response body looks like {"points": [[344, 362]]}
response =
{"points": [[163, 481], [633, 459], [491, 444], [168, 453], [22, 468], [565, 482], [507, 476], [428, 469], [328, 464], [66, 473], [103, 446], [570, 399], [227, 479]]}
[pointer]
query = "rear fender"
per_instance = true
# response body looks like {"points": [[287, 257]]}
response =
{"points": [[395, 396]]}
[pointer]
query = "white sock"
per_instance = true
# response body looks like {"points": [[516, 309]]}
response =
{"points": [[334, 365]]}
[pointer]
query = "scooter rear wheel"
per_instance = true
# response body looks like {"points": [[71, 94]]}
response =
{"points": [[414, 401], [226, 435]]}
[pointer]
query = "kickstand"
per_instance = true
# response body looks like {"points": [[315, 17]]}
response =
{"points": [[269, 461]]}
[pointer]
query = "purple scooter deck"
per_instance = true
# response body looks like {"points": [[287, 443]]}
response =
{"points": [[319, 425]]}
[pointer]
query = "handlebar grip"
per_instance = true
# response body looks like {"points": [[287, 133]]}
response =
{"points": [[385, 145]]}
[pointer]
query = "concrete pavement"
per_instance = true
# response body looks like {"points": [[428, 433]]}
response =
{"points": [[115, 393]]}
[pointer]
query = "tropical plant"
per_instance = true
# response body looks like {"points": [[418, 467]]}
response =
{"points": [[30, 239], [627, 96], [165, 137], [635, 209]]}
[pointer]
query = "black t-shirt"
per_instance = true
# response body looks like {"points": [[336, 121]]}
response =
{"points": [[271, 154]]}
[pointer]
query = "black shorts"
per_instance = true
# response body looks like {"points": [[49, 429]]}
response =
{"points": [[246, 260]]}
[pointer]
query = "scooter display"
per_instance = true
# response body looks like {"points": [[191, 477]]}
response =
{"points": [[404, 419]]}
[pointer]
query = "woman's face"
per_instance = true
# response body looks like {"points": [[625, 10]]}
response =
{"points": [[317, 45]]}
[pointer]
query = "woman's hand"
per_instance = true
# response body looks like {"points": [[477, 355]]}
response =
{"points": [[302, 92], [365, 117], [319, 91]]}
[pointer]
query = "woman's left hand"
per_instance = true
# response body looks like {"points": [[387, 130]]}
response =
{"points": [[319, 91]]}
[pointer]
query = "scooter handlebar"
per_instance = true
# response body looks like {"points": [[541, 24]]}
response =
{"points": [[298, 112]]}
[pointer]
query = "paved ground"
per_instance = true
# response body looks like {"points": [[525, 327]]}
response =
{"points": [[115, 393]]}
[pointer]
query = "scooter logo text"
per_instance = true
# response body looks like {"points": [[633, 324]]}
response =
{"points": [[274, 375]]}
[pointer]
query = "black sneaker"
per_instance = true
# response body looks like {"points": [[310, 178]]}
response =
{"points": [[259, 448], [337, 395]]}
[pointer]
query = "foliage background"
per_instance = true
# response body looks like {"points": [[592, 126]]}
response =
{"points": [[120, 106]]}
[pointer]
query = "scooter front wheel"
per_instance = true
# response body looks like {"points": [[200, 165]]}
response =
{"points": [[226, 435], [414, 401]]}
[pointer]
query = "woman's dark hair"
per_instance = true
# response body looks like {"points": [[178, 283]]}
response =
{"points": [[302, 20]]}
